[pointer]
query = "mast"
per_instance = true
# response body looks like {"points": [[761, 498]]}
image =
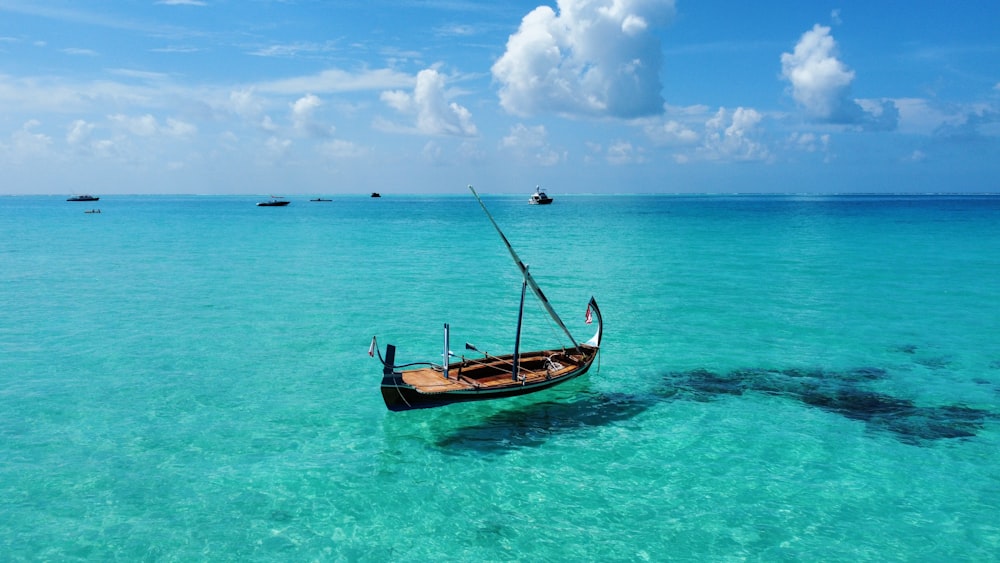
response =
{"points": [[524, 271], [517, 339], [447, 356]]}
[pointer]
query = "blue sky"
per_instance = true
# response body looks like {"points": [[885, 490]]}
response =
{"points": [[578, 96]]}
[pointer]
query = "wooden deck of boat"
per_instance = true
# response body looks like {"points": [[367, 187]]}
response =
{"points": [[464, 376]]}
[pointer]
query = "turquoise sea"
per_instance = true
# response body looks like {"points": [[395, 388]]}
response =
{"points": [[782, 378]]}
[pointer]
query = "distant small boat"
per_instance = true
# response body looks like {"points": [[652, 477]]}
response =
{"points": [[275, 202], [83, 197], [539, 197], [320, 199], [376, 194], [92, 211]]}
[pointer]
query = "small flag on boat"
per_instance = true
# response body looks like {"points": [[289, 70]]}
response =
{"points": [[371, 349], [590, 316]]}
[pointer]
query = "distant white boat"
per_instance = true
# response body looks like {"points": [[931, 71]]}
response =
{"points": [[539, 197]]}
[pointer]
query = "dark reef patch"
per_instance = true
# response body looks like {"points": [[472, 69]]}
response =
{"points": [[842, 392]]}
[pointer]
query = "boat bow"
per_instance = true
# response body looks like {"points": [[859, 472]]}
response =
{"points": [[594, 311]]}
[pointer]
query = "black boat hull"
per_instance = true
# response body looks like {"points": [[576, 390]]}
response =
{"points": [[399, 396]]}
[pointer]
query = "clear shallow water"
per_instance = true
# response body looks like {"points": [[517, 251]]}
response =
{"points": [[782, 378]]}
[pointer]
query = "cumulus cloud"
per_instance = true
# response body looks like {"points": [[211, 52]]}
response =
{"points": [[671, 133], [531, 143], [734, 136], [246, 105], [429, 106], [79, 132], [975, 123], [304, 117], [622, 152], [591, 58], [809, 142], [821, 84]]}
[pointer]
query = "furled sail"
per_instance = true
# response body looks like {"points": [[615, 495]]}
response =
{"points": [[524, 271]]}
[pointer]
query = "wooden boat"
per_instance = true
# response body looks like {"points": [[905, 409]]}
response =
{"points": [[427, 384]]}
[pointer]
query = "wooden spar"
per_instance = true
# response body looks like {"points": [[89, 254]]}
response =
{"points": [[447, 356], [524, 271], [517, 339]]}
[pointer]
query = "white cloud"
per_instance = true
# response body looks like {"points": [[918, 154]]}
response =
{"points": [[593, 58], [622, 152], [79, 132], [671, 133], [398, 100], [176, 128], [291, 50], [531, 143], [142, 126], [304, 117], [820, 82], [522, 136], [734, 136], [148, 126], [25, 142], [821, 85], [429, 106], [246, 105], [809, 142]]}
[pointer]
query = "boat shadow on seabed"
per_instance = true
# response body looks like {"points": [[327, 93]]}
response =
{"points": [[839, 392]]}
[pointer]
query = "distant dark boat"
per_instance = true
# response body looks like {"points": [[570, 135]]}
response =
{"points": [[428, 384], [275, 202], [376, 194], [83, 197], [320, 199], [92, 211], [539, 197]]}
